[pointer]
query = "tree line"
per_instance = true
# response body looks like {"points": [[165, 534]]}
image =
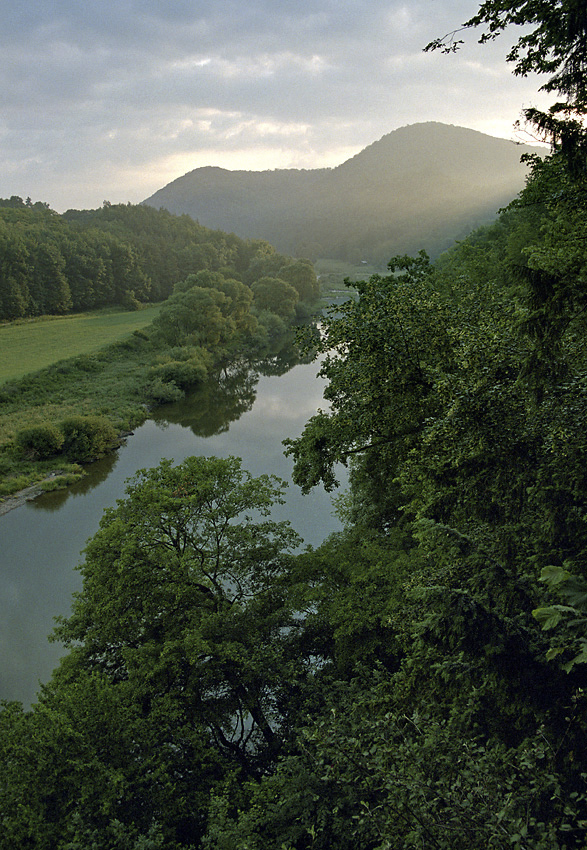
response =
{"points": [[117, 255]]}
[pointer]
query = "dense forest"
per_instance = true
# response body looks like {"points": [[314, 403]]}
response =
{"points": [[223, 299], [417, 681], [119, 254]]}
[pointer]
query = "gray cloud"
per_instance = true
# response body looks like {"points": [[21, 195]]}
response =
{"points": [[114, 100]]}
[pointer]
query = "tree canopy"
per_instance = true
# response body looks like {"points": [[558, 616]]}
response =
{"points": [[119, 254], [553, 42], [418, 680]]}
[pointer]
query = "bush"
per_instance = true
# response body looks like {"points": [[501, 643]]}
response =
{"points": [[40, 441], [162, 392], [87, 363], [182, 373], [87, 437]]}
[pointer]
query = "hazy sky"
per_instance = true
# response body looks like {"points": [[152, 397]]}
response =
{"points": [[112, 100]]}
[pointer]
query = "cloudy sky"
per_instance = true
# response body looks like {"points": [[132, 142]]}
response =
{"points": [[112, 100]]}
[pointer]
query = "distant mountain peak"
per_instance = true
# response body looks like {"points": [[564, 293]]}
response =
{"points": [[420, 186]]}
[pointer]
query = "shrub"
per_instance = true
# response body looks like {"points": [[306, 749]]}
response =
{"points": [[87, 437], [40, 441], [162, 392], [87, 363], [183, 373]]}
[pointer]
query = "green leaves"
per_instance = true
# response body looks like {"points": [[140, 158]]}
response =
{"points": [[569, 620], [554, 42], [184, 598]]}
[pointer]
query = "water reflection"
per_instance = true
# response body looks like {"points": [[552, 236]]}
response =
{"points": [[245, 412], [98, 472], [210, 409]]}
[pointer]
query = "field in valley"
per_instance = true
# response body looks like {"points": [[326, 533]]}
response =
{"points": [[29, 345]]}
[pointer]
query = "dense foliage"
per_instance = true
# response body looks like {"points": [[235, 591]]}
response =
{"points": [[419, 680], [225, 299], [115, 255], [393, 688]]}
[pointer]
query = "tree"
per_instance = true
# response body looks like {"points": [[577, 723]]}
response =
{"points": [[14, 293], [383, 353], [554, 42], [48, 285], [275, 295], [180, 666], [195, 317], [301, 275], [184, 600], [239, 297]]}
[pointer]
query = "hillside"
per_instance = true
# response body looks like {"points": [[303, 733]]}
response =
{"points": [[424, 185]]}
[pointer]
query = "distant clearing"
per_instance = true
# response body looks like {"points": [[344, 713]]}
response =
{"points": [[29, 345]]}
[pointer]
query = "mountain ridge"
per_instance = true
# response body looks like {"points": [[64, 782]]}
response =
{"points": [[420, 186]]}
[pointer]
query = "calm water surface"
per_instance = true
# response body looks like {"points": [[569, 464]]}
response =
{"points": [[40, 544]]}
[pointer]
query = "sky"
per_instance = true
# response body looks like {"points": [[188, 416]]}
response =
{"points": [[112, 100]]}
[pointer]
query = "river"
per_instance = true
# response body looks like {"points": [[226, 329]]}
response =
{"points": [[247, 414]]}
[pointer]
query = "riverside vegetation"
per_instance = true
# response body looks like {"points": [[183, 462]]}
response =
{"points": [[419, 679], [234, 299]]}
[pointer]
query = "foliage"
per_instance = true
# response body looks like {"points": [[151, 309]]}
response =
{"points": [[275, 295], [572, 636], [392, 688], [183, 373], [401, 780], [209, 318], [121, 255], [42, 441], [174, 679], [87, 437], [554, 42]]}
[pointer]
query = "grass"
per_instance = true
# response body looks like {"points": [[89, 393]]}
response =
{"points": [[96, 364], [332, 274], [108, 383], [51, 368], [30, 345]]}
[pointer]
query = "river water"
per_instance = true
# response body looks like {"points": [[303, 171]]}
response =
{"points": [[247, 413]]}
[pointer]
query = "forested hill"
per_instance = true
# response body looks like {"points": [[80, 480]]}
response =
{"points": [[120, 254], [424, 185]]}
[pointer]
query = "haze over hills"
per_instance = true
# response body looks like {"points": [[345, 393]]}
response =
{"points": [[421, 186]]}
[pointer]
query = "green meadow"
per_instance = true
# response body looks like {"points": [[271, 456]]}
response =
{"points": [[31, 344]]}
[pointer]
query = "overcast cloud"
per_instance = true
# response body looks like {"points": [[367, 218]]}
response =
{"points": [[113, 100]]}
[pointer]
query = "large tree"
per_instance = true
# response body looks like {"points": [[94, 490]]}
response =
{"points": [[180, 660], [553, 42]]}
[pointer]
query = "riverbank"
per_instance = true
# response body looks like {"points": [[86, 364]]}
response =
{"points": [[17, 500]]}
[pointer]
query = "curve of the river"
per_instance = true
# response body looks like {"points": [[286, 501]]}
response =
{"points": [[247, 415]]}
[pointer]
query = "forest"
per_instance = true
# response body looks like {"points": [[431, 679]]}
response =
{"points": [[120, 254], [419, 679]]}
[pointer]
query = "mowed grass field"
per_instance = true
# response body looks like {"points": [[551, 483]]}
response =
{"points": [[29, 345]]}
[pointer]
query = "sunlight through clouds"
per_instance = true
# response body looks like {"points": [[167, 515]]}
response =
{"points": [[92, 102]]}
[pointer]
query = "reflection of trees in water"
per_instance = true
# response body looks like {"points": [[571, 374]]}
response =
{"points": [[297, 347], [97, 472], [210, 409], [230, 393], [279, 362], [207, 411]]}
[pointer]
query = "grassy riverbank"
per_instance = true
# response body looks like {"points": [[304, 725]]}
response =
{"points": [[69, 386], [109, 384], [28, 345]]}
